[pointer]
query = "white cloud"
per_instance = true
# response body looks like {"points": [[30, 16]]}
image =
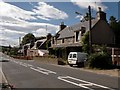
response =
{"points": [[12, 11], [13, 24], [14, 31], [39, 32], [7, 38], [80, 16], [93, 3], [42, 17], [45, 11]]}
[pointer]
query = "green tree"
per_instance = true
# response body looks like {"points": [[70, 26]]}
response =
{"points": [[112, 19], [99, 60], [49, 36], [14, 51], [28, 38], [48, 43], [115, 25], [85, 42]]}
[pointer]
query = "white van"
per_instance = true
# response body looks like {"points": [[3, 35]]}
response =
{"points": [[77, 58]]}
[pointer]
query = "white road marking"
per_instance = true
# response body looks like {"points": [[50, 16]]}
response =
{"points": [[49, 71], [24, 64], [84, 84], [62, 78], [3, 76], [39, 70], [83, 81], [29, 65]]}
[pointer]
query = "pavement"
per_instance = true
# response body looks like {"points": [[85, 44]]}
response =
{"points": [[3, 79], [2, 76], [112, 72]]}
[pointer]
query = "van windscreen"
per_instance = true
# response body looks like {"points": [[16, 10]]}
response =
{"points": [[74, 55], [70, 56]]}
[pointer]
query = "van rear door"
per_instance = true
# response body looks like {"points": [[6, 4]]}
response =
{"points": [[72, 58]]}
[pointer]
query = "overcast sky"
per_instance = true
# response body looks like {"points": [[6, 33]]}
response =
{"points": [[40, 18]]}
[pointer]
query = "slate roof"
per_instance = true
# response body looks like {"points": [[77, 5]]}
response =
{"points": [[69, 31], [67, 45], [42, 42], [45, 51]]}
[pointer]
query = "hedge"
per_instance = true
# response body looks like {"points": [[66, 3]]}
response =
{"points": [[99, 60]]}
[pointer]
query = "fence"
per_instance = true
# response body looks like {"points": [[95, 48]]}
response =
{"points": [[116, 56]]}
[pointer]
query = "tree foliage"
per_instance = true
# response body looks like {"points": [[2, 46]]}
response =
{"points": [[115, 25], [28, 38], [49, 36], [85, 42], [99, 60], [48, 43]]}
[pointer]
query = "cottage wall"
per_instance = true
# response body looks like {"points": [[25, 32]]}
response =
{"points": [[66, 41], [58, 41], [69, 40], [33, 52]]}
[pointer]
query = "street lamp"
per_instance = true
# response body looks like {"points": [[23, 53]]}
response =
{"points": [[78, 13]]}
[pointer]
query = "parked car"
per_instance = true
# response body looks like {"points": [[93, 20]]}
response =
{"points": [[77, 58]]}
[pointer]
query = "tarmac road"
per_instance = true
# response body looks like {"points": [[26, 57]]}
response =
{"points": [[32, 74]]}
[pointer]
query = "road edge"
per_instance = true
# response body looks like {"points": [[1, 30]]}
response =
{"points": [[4, 79]]}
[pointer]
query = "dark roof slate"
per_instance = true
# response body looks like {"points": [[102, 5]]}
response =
{"points": [[67, 45], [69, 31]]}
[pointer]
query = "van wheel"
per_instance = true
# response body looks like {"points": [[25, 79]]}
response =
{"points": [[71, 65], [80, 65]]}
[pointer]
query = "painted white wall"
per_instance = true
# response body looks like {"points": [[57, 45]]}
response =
{"points": [[41, 53]]}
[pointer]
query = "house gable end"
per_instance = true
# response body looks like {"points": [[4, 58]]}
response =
{"points": [[102, 33]]}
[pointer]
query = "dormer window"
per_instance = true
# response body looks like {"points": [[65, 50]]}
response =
{"points": [[63, 40], [83, 30], [77, 36]]}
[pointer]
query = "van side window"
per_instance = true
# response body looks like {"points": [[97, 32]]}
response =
{"points": [[70, 56], [74, 55]]}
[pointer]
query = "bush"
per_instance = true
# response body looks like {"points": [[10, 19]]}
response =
{"points": [[86, 48], [99, 60]]}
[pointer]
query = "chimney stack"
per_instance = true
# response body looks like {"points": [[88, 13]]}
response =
{"points": [[62, 26], [100, 14]]}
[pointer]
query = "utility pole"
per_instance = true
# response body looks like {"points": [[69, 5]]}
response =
{"points": [[46, 28], [90, 36], [20, 42]]}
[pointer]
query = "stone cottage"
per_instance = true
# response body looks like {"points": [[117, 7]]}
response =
{"points": [[68, 38]]}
